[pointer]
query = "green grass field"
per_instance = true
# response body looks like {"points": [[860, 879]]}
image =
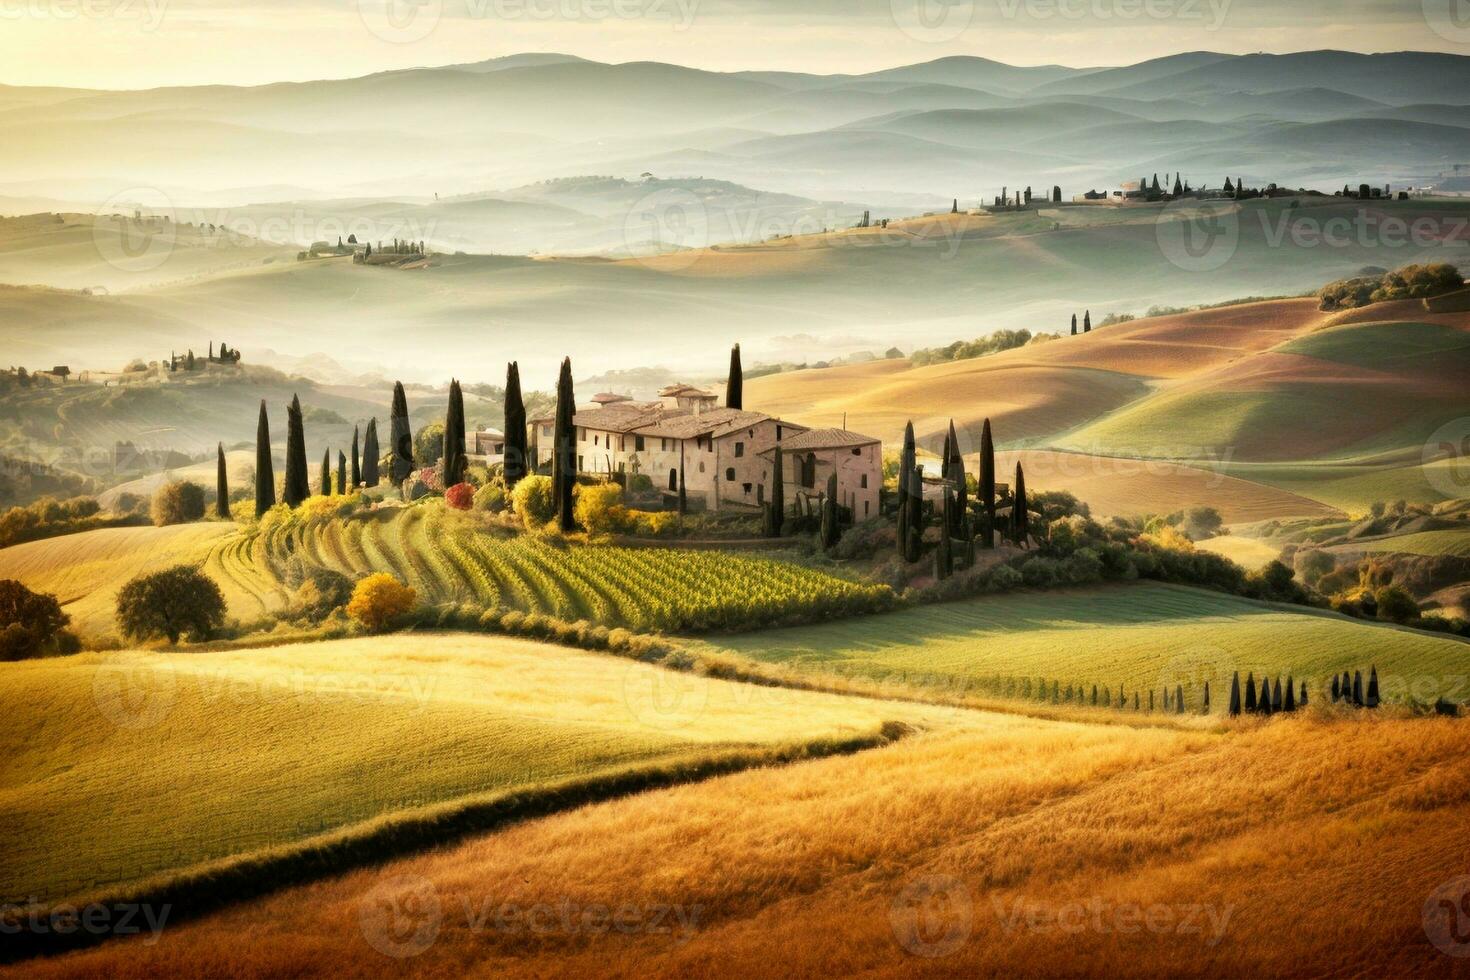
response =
{"points": [[1430, 543], [133, 765], [1383, 346], [1143, 636]]}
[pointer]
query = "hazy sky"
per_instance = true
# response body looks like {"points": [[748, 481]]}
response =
{"points": [[140, 43]]}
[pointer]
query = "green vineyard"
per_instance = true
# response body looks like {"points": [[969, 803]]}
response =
{"points": [[449, 557]]}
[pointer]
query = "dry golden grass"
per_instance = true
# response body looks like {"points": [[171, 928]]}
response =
{"points": [[1126, 487], [1248, 553], [1311, 844]]}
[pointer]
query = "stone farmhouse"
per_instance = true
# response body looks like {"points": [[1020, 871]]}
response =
{"points": [[724, 454]]}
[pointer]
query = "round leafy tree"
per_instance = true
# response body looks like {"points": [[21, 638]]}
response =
{"points": [[172, 603], [379, 599], [28, 620], [178, 502]]}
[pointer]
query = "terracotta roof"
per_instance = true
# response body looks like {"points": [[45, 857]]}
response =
{"points": [[711, 422], [813, 439]]}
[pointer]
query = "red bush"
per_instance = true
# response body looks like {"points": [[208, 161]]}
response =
{"points": [[460, 496]]}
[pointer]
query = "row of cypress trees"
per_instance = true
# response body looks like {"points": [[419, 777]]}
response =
{"points": [[957, 519], [1269, 700], [296, 486], [1086, 322], [1350, 689]]}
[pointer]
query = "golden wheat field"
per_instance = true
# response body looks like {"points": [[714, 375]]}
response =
{"points": [[1300, 846]]}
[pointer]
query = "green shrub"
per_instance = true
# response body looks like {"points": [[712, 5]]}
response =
{"points": [[491, 498], [177, 502], [534, 501], [30, 622]]}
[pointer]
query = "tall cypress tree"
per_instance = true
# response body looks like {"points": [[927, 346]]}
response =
{"points": [[402, 436], [564, 454], [370, 454], [1372, 697], [297, 487], [987, 482], [1357, 688], [356, 462], [906, 459], [265, 475], [454, 437], [735, 384], [221, 487], [776, 506], [1301, 701], [341, 473], [1020, 523], [1289, 702], [1179, 699], [1235, 695], [956, 475], [1074, 324], [830, 530], [1250, 693], [914, 533], [1206, 709], [1087, 321], [324, 479], [1277, 703], [517, 463], [1336, 689]]}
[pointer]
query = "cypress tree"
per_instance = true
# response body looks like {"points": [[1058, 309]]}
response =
{"points": [[341, 473], [735, 383], [221, 487], [297, 487], [1372, 700], [1336, 689], [454, 437], [1019, 519], [1263, 703], [1235, 695], [1179, 698], [830, 530], [1250, 693], [324, 478], [517, 462], [956, 475], [1178, 187], [370, 454], [1087, 321], [1290, 702], [1166, 697], [1357, 688], [401, 465], [265, 477], [1276, 703], [356, 462], [564, 452], [906, 462], [1150, 700], [1074, 324], [987, 482], [776, 506], [915, 514], [1094, 695], [1302, 700]]}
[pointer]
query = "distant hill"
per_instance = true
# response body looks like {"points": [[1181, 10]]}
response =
{"points": [[525, 118]]}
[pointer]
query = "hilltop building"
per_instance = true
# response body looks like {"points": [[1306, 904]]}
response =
{"points": [[724, 454]]}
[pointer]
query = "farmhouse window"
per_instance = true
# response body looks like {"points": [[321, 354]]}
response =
{"points": [[638, 444], [857, 451], [581, 433], [729, 474], [739, 449], [865, 481]]}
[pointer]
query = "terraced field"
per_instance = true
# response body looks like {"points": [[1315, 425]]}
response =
{"points": [[85, 570], [447, 557], [1144, 637], [138, 749], [1429, 543]]}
